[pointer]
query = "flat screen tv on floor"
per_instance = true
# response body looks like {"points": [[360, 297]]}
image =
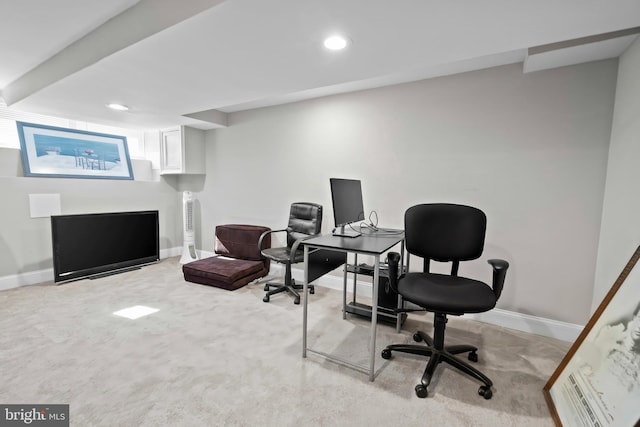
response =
{"points": [[93, 245]]}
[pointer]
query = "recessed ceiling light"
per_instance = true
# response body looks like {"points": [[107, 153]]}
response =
{"points": [[118, 107], [335, 42]]}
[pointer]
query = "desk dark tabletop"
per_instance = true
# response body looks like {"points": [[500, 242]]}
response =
{"points": [[367, 243]]}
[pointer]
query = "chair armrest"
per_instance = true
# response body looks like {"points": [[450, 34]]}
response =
{"points": [[265, 234], [393, 260], [294, 247], [500, 267]]}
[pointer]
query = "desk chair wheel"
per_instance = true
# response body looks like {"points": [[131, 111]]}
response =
{"points": [[296, 300], [473, 356], [484, 391], [421, 391], [266, 298], [386, 354], [312, 290], [417, 337], [266, 287]]}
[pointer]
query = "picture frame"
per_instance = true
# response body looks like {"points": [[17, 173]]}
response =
{"points": [[598, 381], [49, 151]]}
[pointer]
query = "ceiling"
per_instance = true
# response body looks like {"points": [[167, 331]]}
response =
{"points": [[191, 62]]}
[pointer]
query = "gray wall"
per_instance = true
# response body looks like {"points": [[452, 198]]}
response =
{"points": [[620, 234], [25, 242], [528, 149]]}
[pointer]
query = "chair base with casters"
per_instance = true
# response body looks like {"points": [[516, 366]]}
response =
{"points": [[281, 287], [289, 286], [439, 353]]}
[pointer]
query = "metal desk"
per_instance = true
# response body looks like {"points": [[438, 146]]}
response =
{"points": [[374, 244]]}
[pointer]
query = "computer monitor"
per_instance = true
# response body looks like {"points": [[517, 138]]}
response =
{"points": [[346, 195]]}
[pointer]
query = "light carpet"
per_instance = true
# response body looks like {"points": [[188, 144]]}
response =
{"points": [[211, 357]]}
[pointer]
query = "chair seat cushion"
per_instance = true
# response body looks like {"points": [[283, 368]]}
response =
{"points": [[447, 294], [223, 272], [283, 255]]}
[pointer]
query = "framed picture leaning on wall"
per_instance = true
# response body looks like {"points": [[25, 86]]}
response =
{"points": [[598, 381], [49, 151]]}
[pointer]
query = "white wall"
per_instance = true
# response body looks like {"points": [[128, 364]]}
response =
{"points": [[620, 233], [528, 149]]}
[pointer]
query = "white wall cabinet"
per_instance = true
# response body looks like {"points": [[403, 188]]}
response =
{"points": [[182, 151]]}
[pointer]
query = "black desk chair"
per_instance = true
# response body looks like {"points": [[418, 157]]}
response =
{"points": [[446, 233], [305, 220]]}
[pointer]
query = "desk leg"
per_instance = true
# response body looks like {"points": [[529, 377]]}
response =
{"points": [[374, 318], [344, 292], [305, 293], [355, 278], [400, 301]]}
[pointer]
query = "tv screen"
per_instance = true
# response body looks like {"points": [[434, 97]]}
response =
{"points": [[346, 195], [92, 244]]}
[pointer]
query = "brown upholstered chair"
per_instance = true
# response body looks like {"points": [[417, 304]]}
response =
{"points": [[305, 220], [238, 262]]}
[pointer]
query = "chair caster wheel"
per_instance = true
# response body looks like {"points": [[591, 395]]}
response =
{"points": [[266, 299], [473, 356], [296, 300], [421, 391], [266, 288], [386, 354], [417, 337], [312, 291], [485, 392]]}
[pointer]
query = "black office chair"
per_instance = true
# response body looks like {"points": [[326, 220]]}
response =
{"points": [[446, 233], [305, 220]]}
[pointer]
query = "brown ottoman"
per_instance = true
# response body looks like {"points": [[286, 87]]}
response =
{"points": [[239, 260]]}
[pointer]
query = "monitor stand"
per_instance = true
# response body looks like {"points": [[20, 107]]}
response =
{"points": [[342, 232]]}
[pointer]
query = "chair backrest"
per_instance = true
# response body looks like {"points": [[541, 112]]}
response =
{"points": [[445, 232], [241, 241], [305, 219]]}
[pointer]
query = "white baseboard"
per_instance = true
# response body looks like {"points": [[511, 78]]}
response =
{"points": [[513, 320], [25, 279], [171, 252], [508, 319]]}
